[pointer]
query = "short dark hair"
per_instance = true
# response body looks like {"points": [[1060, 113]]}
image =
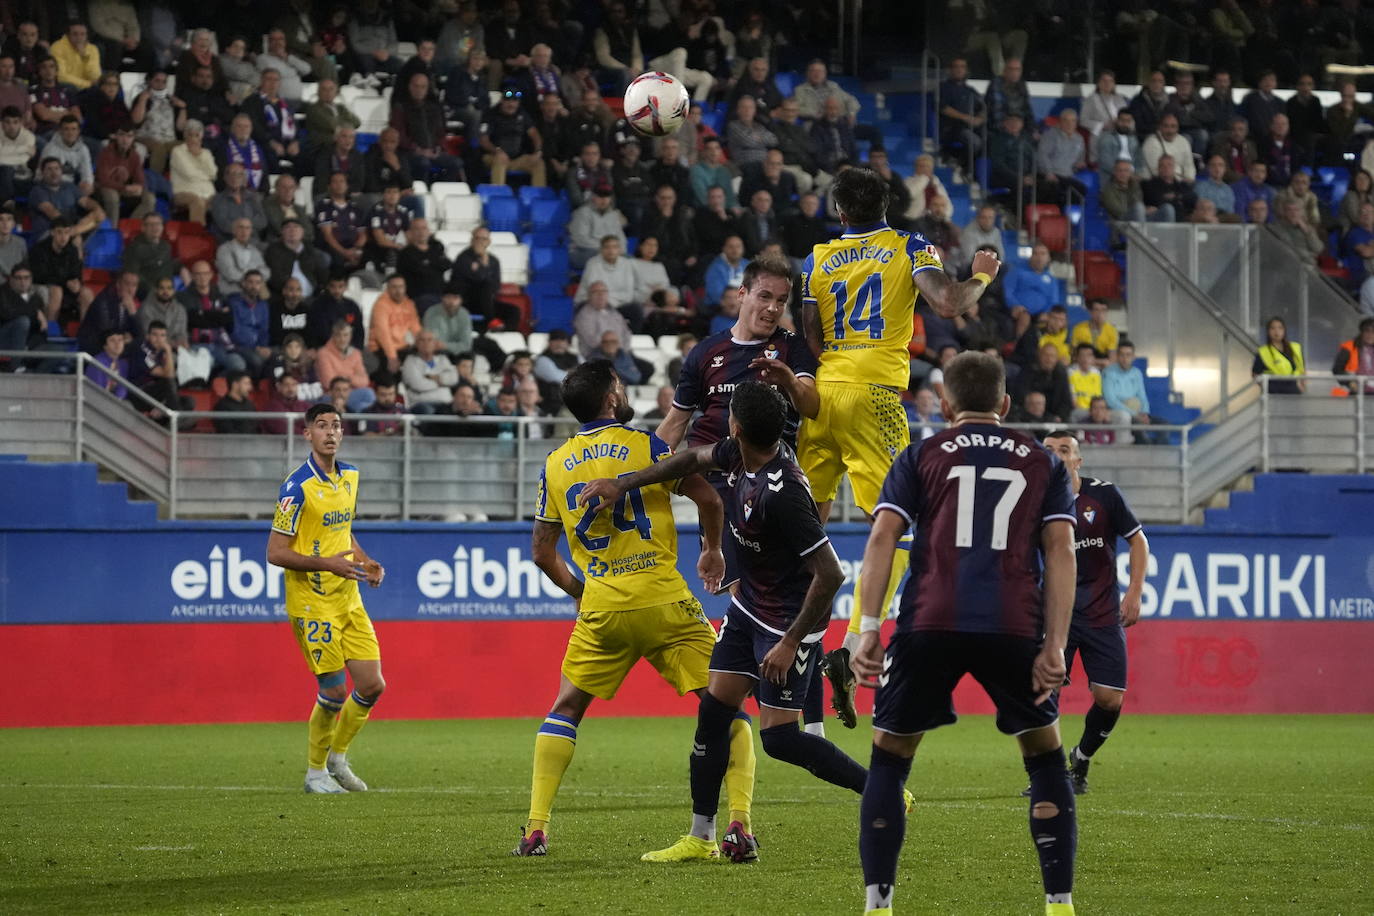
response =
{"points": [[1059, 309], [69, 119], [339, 378], [1060, 434], [1365, 325], [760, 413], [767, 265], [10, 111], [1125, 342], [46, 159], [156, 325], [316, 411], [585, 388], [384, 379], [232, 378], [861, 194], [1078, 349], [252, 273], [975, 381]]}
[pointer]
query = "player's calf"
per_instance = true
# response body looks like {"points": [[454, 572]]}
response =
{"points": [[820, 757], [1053, 824]]}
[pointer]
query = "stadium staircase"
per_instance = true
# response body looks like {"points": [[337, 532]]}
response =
{"points": [[1295, 504], [41, 495]]}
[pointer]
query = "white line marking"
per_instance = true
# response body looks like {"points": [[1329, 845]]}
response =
{"points": [[163, 848]]}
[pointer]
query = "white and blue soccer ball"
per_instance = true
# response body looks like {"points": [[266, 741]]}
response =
{"points": [[656, 103]]}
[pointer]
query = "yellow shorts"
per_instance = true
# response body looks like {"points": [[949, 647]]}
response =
{"points": [[676, 639], [859, 430], [330, 641]]}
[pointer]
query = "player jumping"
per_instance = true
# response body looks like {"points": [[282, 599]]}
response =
{"points": [[633, 602], [312, 539], [769, 644], [1100, 613], [987, 504], [859, 302], [755, 347]]}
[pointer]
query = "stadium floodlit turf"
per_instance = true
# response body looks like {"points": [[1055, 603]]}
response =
{"points": [[1214, 815]]}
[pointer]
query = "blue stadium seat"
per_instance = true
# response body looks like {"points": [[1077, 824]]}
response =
{"points": [[851, 84], [490, 191], [714, 120], [549, 264], [105, 249], [502, 214], [786, 81], [365, 142], [962, 211], [528, 194], [552, 312]]}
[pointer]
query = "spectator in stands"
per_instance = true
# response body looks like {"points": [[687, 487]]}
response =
{"points": [[339, 359], [324, 116], [1261, 104], [632, 183], [982, 231], [1258, 212], [942, 233], [388, 403], [465, 94], [1212, 187], [1011, 157], [237, 201], [72, 154], [1342, 119], [1167, 141], [899, 198], [1117, 143], [758, 84], [340, 227], [25, 46], [387, 223], [923, 409], [289, 67], [726, 271], [540, 79], [1033, 287], [119, 177], [1032, 409], [671, 224], [372, 36], [589, 170], [285, 399], [330, 306], [597, 316], [650, 272], [712, 172], [290, 256], [759, 225], [923, 187], [150, 255], [1007, 94], [103, 109], [508, 44], [13, 250], [618, 275], [237, 400], [1123, 388], [112, 310], [1100, 416], [209, 320], [555, 137], [1230, 28], [1062, 154], [1354, 357], [420, 123], [464, 404], [342, 155], [239, 255], [832, 138], [109, 355], [1359, 241], [52, 101], [663, 404], [1299, 190], [56, 263], [449, 323], [1194, 115], [1085, 381], [193, 173], [1281, 357], [242, 74], [163, 307], [748, 138], [1049, 378], [204, 102], [772, 176], [395, 323], [289, 312], [461, 36], [1279, 151], [613, 351], [428, 374], [1054, 330], [552, 366], [383, 164], [794, 139], [201, 54], [251, 333], [1098, 332], [14, 91], [1361, 192], [241, 147], [510, 142], [1306, 118], [617, 49], [591, 223], [423, 264], [962, 113], [1237, 149], [18, 152], [78, 61], [1149, 105], [476, 277], [1165, 189], [274, 121], [1101, 108], [153, 370], [1253, 187], [805, 229], [23, 320]]}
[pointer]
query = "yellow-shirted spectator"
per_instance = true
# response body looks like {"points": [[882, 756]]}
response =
{"points": [[1056, 331], [1097, 331], [78, 61], [1085, 381]]}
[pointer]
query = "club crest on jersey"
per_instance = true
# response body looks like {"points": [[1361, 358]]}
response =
{"points": [[317, 653], [348, 487], [770, 353], [1090, 515], [748, 509], [717, 362]]}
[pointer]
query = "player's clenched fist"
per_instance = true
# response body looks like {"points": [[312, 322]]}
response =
{"points": [[1048, 674], [986, 262]]}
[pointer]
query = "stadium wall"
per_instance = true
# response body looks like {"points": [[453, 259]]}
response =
{"points": [[184, 623]]}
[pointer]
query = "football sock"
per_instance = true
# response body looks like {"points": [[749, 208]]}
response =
{"points": [[323, 718], [813, 710], [739, 774], [553, 751], [882, 824], [826, 761], [1097, 728], [1055, 836], [351, 721], [710, 760], [901, 559]]}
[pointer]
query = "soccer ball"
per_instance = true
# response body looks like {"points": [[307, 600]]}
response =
{"points": [[656, 103]]}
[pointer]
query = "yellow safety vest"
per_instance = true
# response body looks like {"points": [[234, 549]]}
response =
{"points": [[1275, 363]]}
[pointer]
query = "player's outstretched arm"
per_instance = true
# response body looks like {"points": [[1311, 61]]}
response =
{"points": [[544, 549], [711, 513], [811, 327], [826, 579], [674, 426], [950, 298], [279, 553], [1061, 576], [888, 528], [605, 490], [1140, 559], [800, 391]]}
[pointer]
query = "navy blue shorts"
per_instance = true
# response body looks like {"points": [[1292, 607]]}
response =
{"points": [[1103, 650], [916, 691], [741, 645]]}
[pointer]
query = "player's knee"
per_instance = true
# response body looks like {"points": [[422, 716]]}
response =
{"points": [[372, 688], [783, 742], [1044, 810], [333, 685], [1110, 700]]}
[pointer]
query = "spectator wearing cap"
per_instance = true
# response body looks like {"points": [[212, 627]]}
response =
{"points": [[617, 274], [712, 172], [510, 142], [591, 223], [119, 177]]}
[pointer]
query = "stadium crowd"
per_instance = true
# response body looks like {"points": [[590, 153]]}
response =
{"points": [[226, 276]]}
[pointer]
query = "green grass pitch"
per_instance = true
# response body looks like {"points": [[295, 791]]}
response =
{"points": [[1214, 815]]}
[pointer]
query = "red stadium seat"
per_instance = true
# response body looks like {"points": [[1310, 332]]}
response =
{"points": [[192, 248], [1081, 260], [1034, 213], [130, 228], [514, 294], [1053, 230], [97, 280], [1102, 280]]}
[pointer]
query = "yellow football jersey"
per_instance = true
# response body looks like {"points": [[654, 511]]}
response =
{"points": [[628, 552], [316, 511], [864, 285]]}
